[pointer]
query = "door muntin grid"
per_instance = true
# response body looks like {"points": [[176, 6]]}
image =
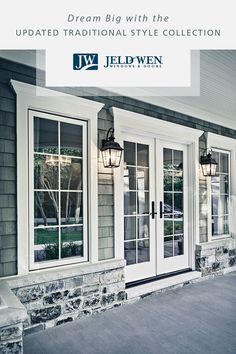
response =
{"points": [[136, 203]]}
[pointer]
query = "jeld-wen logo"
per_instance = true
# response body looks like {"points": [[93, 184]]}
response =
{"points": [[86, 61]]}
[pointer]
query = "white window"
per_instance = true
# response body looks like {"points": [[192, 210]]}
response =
{"points": [[58, 189], [57, 150], [222, 188], [220, 195]]}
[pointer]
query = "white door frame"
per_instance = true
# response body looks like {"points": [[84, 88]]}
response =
{"points": [[134, 123]]}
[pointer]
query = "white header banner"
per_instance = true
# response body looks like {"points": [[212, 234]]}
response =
{"points": [[125, 44]]}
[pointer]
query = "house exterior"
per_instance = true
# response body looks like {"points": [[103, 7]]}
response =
{"points": [[77, 238]]}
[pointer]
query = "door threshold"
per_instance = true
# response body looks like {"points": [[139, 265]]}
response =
{"points": [[144, 289]]}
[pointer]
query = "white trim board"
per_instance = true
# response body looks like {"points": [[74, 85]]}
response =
{"points": [[48, 101]]}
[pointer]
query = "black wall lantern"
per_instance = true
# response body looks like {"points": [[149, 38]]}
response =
{"points": [[111, 151], [208, 165]]}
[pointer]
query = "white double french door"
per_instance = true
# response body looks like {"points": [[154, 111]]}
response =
{"points": [[155, 207]]}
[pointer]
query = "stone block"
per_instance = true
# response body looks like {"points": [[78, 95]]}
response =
{"points": [[73, 282], [90, 289], [55, 297], [232, 252], [34, 329], [215, 266], [232, 261], [113, 288], [10, 333], [92, 300], [91, 278], [64, 320], [84, 313], [113, 276], [75, 293], [108, 299], [28, 294], [45, 314], [11, 347], [53, 286], [121, 296], [206, 271], [73, 305]]}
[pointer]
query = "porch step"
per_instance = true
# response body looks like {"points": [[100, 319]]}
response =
{"points": [[158, 285]]}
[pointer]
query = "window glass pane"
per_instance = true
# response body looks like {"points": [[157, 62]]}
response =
{"points": [[130, 227], [130, 203], [71, 175], [46, 210], [129, 153], [71, 140], [130, 252], [45, 135], [71, 208], [46, 241], [168, 246], [143, 251], [143, 178], [143, 226], [45, 175], [142, 155], [72, 241], [129, 178]]}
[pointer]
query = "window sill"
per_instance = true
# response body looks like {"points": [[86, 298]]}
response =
{"points": [[218, 242]]}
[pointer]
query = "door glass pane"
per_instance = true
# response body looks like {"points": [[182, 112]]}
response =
{"points": [[142, 155], [130, 227], [129, 153], [143, 251], [130, 252], [136, 203], [173, 202]]}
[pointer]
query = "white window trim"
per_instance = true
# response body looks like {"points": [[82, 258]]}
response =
{"points": [[54, 102], [135, 123], [225, 144]]}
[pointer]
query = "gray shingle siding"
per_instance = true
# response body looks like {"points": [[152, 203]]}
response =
{"points": [[8, 212]]}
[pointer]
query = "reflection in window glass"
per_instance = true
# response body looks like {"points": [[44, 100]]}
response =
{"points": [[220, 195], [58, 187]]}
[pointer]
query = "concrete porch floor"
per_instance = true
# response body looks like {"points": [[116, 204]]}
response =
{"points": [[199, 318]]}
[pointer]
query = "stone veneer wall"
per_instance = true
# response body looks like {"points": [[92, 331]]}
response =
{"points": [[11, 339], [213, 257], [61, 300]]}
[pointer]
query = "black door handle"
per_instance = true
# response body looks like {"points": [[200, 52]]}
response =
{"points": [[153, 213], [161, 210]]}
